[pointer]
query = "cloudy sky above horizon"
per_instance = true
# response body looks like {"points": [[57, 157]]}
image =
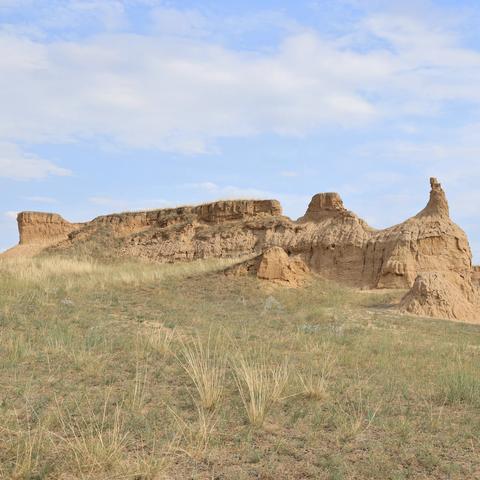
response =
{"points": [[113, 105]]}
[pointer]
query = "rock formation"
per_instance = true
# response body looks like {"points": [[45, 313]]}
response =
{"points": [[43, 228], [275, 266], [442, 295], [476, 275], [331, 240]]}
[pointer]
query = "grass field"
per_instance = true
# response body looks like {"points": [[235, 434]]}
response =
{"points": [[133, 371]]}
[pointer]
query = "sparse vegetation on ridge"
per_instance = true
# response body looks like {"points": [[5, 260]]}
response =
{"points": [[136, 371]]}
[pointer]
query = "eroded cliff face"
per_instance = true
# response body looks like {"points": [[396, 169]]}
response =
{"points": [[43, 228], [50, 228], [210, 213], [428, 242], [476, 275], [331, 240]]}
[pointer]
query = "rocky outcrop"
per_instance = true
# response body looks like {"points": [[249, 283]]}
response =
{"points": [[324, 205], [331, 240], [211, 213], [476, 275], [442, 295], [274, 265], [48, 228], [428, 242], [43, 228]]}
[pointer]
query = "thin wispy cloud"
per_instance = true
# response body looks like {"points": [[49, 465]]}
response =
{"points": [[19, 165], [39, 199], [11, 215], [207, 91]]}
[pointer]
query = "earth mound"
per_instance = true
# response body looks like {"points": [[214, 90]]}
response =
{"points": [[443, 296], [275, 266]]}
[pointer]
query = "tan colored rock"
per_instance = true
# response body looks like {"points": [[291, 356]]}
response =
{"points": [[43, 228], [323, 205], [476, 275], [442, 295], [331, 240], [428, 242], [277, 266], [273, 265], [244, 268]]}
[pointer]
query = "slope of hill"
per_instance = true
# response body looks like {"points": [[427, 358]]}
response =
{"points": [[147, 371]]}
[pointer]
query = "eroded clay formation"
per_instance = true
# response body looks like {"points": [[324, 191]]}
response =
{"points": [[329, 240]]}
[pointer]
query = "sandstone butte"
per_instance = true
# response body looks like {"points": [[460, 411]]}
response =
{"points": [[428, 253]]}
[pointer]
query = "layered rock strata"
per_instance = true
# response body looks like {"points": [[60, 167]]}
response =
{"points": [[331, 240]]}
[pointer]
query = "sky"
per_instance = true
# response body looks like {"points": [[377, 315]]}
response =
{"points": [[115, 105]]}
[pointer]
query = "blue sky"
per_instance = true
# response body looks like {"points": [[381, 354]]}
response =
{"points": [[113, 105]]}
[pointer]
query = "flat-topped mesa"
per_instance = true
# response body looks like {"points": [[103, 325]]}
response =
{"points": [[438, 203], [323, 205], [215, 212], [43, 228], [49, 228], [228, 210]]}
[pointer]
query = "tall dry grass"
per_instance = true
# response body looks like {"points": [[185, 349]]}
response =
{"points": [[205, 364], [69, 272], [260, 385], [90, 442], [315, 380]]}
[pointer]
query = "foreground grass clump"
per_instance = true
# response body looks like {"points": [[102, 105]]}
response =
{"points": [[205, 365], [461, 383], [132, 371], [315, 380], [260, 385]]}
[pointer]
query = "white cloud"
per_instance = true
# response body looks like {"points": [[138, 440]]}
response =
{"points": [[452, 156], [179, 22], [11, 215], [289, 173], [69, 15], [112, 204], [19, 165], [294, 205], [177, 94], [103, 201], [228, 192], [182, 93], [40, 199]]}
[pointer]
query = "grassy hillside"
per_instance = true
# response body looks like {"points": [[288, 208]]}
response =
{"points": [[132, 371]]}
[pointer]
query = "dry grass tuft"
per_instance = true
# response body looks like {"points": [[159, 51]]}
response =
{"points": [[195, 437], [92, 443], [28, 452], [161, 339], [260, 385], [315, 381], [205, 364]]}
